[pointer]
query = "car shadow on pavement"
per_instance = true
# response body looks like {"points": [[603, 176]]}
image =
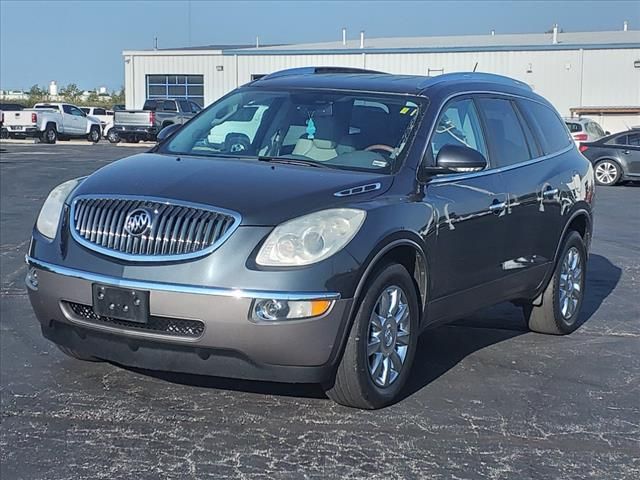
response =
{"points": [[442, 348], [439, 349]]}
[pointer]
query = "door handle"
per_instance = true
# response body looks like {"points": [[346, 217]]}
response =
{"points": [[550, 193], [626, 152], [497, 207]]}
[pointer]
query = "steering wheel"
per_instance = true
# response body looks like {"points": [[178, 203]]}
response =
{"points": [[380, 146]]}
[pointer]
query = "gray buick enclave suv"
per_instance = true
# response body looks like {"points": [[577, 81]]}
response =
{"points": [[316, 243]]}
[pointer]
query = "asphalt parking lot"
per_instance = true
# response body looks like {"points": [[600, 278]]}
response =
{"points": [[487, 399]]}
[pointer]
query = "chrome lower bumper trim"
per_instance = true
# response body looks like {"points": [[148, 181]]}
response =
{"points": [[178, 288]]}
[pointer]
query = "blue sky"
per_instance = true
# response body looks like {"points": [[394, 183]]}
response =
{"points": [[82, 41]]}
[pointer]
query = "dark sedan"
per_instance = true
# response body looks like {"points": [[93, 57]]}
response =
{"points": [[616, 157]]}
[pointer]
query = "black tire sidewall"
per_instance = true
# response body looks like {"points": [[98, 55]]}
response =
{"points": [[112, 136], [573, 240], [45, 135], [92, 135], [392, 274]]}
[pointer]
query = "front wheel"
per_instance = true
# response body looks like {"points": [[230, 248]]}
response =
{"points": [[381, 346], [561, 300], [112, 136], [94, 135], [607, 172]]}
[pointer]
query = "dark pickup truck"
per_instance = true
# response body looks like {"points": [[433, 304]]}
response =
{"points": [[135, 125]]}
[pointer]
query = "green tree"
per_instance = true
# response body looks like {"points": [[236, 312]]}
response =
{"points": [[36, 94], [71, 93]]}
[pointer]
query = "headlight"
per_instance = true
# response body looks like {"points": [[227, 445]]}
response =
{"points": [[311, 238], [49, 217]]}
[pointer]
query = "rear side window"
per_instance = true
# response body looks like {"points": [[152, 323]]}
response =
{"points": [[85, 110], [621, 140], [99, 111], [506, 137], [148, 105], [170, 106], [547, 126], [633, 139], [459, 125], [574, 127]]}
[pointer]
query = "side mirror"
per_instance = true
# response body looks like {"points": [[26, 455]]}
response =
{"points": [[607, 132], [166, 132], [454, 159]]}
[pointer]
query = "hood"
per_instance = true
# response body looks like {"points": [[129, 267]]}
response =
{"points": [[263, 193]]}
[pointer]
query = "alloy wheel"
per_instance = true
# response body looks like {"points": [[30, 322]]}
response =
{"points": [[388, 336], [570, 287], [606, 172]]}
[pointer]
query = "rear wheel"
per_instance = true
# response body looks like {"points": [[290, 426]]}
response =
{"points": [[50, 134], [561, 301], [377, 359], [607, 172], [94, 134], [70, 352]]}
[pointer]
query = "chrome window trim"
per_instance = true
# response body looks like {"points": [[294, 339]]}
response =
{"points": [[237, 219], [177, 287], [463, 176]]}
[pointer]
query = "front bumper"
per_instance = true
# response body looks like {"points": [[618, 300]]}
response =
{"points": [[231, 344]]}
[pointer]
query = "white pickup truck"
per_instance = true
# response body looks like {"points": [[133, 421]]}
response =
{"points": [[103, 115], [51, 121]]}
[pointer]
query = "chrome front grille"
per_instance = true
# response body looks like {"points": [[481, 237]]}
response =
{"points": [[170, 230]]}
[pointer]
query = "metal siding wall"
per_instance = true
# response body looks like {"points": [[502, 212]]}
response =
{"points": [[262, 64], [549, 75], [610, 78]]}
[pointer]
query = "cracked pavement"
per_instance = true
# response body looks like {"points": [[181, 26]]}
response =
{"points": [[487, 398]]}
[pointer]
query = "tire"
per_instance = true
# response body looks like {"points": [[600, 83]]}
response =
{"points": [[77, 355], [357, 382], [607, 172], [113, 136], [236, 143], [50, 134], [4, 134], [554, 316], [94, 135]]}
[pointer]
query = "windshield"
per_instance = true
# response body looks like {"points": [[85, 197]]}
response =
{"points": [[355, 131]]}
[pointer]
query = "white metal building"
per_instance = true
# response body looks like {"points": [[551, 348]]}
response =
{"points": [[597, 73]]}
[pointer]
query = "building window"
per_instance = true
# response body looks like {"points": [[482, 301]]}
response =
{"points": [[181, 87]]}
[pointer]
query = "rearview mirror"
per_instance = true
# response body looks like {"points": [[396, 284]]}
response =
{"points": [[166, 132], [455, 159]]}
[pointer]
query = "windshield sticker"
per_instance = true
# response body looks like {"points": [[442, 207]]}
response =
{"points": [[411, 111], [379, 163]]}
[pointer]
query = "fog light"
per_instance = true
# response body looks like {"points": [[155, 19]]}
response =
{"points": [[274, 310], [32, 279]]}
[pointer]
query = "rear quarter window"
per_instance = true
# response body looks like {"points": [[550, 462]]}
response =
{"points": [[547, 126], [574, 127]]}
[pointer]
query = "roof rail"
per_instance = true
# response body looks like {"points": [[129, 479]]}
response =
{"points": [[475, 76], [315, 70]]}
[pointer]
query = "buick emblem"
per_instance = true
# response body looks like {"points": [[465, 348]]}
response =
{"points": [[137, 222]]}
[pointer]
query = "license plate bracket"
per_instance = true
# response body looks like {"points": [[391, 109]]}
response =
{"points": [[121, 303]]}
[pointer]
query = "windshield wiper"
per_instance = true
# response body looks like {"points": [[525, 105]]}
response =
{"points": [[292, 161]]}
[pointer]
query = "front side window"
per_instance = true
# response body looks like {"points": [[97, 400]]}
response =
{"points": [[184, 106], [459, 124], [99, 111], [85, 110], [504, 131], [309, 126]]}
